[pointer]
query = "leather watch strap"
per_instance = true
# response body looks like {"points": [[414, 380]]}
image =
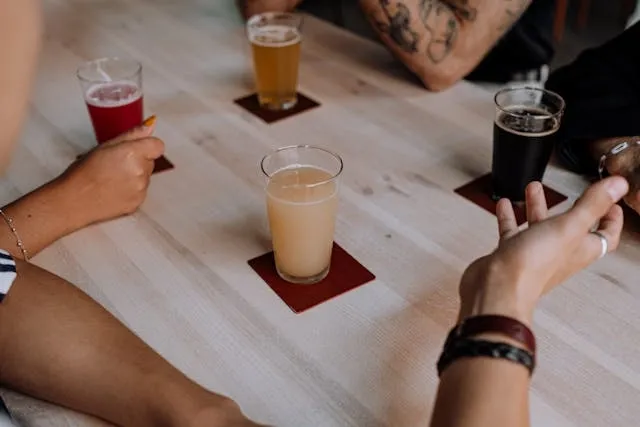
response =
{"points": [[494, 324]]}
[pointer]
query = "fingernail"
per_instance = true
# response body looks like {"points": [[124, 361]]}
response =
{"points": [[534, 187], [617, 187], [149, 121]]}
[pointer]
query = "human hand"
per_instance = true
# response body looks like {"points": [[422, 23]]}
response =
{"points": [[627, 165], [529, 263], [112, 180]]}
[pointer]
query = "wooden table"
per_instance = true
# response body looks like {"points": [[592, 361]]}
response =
{"points": [[176, 272]]}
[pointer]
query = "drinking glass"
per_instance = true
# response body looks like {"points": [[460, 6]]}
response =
{"points": [[524, 134], [112, 90], [275, 42], [302, 201]]}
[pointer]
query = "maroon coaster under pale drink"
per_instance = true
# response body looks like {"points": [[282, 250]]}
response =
{"points": [[345, 274], [251, 104], [479, 192]]}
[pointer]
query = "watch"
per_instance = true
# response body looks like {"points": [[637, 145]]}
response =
{"points": [[619, 148]]}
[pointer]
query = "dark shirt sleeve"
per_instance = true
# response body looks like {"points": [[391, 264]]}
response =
{"points": [[601, 89]]}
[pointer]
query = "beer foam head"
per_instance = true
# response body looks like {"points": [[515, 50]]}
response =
{"points": [[527, 120], [274, 35], [113, 94]]}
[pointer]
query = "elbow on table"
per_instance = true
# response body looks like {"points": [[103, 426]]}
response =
{"points": [[248, 8], [439, 80]]}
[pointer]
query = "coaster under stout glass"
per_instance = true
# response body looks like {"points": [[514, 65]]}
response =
{"points": [[524, 134], [302, 201], [275, 42], [112, 90]]}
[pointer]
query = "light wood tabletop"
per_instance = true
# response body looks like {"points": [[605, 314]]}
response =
{"points": [[176, 272]]}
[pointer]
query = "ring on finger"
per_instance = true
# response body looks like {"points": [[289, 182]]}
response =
{"points": [[603, 241]]}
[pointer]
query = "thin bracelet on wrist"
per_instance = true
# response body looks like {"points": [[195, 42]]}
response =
{"points": [[19, 243], [619, 148]]}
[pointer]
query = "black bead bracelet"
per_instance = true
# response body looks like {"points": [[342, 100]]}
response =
{"points": [[465, 347]]}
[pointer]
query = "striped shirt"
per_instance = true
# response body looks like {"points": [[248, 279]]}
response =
{"points": [[7, 273], [7, 277]]}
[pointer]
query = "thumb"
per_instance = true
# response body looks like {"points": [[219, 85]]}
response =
{"points": [[596, 202], [149, 148], [143, 131]]}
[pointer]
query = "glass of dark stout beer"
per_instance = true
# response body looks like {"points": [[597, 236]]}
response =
{"points": [[524, 134]]}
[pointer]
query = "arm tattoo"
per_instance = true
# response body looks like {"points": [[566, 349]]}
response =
{"points": [[440, 20], [515, 8], [398, 26]]}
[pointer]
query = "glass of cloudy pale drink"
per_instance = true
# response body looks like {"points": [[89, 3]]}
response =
{"points": [[275, 42], [112, 89], [302, 201]]}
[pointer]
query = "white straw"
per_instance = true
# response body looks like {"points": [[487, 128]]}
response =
{"points": [[103, 73]]}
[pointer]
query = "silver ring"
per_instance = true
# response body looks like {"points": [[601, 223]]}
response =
{"points": [[603, 241]]}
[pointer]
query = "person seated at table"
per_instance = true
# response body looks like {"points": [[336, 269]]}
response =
{"points": [[56, 343], [444, 41], [602, 94], [486, 365]]}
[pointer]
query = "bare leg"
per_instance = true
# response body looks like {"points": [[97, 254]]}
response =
{"points": [[59, 345]]}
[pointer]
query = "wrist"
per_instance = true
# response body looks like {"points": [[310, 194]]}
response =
{"points": [[504, 304], [63, 198], [604, 147], [485, 289]]}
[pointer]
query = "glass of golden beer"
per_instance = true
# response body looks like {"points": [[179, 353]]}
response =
{"points": [[302, 201], [275, 41]]}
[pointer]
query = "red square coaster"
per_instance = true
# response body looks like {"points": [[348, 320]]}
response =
{"points": [[162, 164], [345, 274], [251, 104], [479, 192]]}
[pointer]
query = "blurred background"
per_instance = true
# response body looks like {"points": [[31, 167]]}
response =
{"points": [[580, 24], [588, 23]]}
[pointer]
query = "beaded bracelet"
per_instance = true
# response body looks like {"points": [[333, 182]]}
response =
{"points": [[9, 221]]}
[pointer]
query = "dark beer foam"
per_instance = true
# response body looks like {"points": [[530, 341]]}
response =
{"points": [[527, 121]]}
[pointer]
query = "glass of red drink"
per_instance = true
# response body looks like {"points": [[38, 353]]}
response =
{"points": [[112, 89]]}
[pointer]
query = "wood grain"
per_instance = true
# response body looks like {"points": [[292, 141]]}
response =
{"points": [[176, 272]]}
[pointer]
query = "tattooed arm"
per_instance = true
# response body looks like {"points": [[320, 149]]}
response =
{"points": [[253, 7], [442, 40]]}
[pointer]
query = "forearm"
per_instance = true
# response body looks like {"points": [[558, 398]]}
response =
{"points": [[40, 218], [442, 40], [249, 8], [20, 31], [486, 392], [482, 392]]}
